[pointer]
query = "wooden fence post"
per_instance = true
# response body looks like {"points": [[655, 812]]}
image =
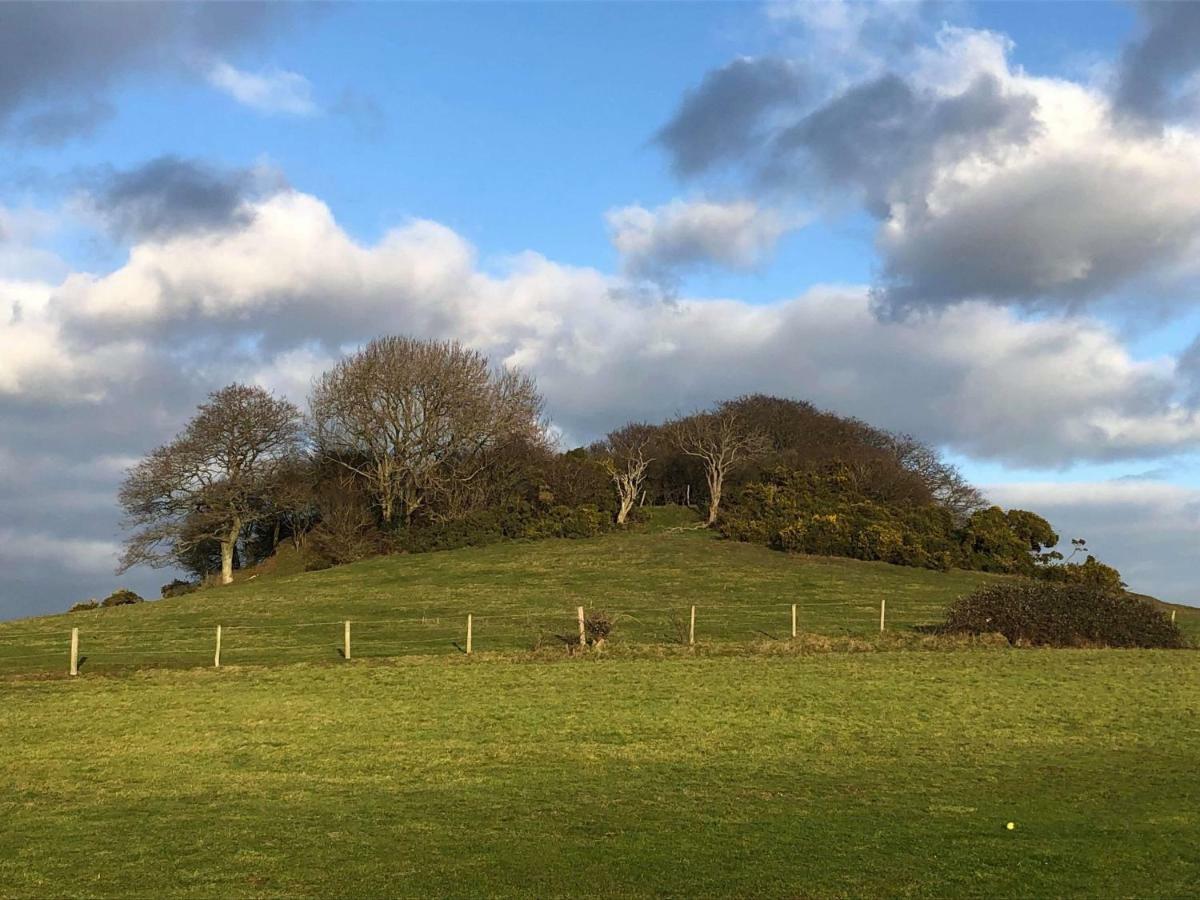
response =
{"points": [[582, 629], [882, 614], [468, 634], [74, 651], [692, 629], [1172, 617], [793, 620], [217, 655], [346, 647]]}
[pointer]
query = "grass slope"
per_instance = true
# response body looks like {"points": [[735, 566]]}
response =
{"points": [[518, 593], [834, 775]]}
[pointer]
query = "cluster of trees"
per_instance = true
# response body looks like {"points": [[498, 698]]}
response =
{"points": [[418, 445]]}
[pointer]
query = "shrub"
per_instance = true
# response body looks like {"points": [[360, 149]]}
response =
{"points": [[86, 605], [1062, 615], [121, 597], [178, 588], [597, 626]]}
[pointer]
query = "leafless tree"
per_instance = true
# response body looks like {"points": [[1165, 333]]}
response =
{"points": [[624, 454], [720, 440], [418, 420], [212, 481], [945, 482]]}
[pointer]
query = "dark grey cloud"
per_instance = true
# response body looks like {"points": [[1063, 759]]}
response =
{"points": [[169, 196], [1152, 67], [727, 115], [51, 52], [885, 137]]}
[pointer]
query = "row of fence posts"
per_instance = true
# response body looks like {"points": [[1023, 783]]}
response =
{"points": [[470, 634], [74, 669]]}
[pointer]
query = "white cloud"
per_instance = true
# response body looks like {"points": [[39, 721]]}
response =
{"points": [[657, 243], [289, 279], [276, 91]]}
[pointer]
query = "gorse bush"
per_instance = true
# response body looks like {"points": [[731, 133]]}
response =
{"points": [[121, 597], [833, 510], [1054, 614]]}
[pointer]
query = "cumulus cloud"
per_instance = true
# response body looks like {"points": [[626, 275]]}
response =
{"points": [[276, 91], [977, 378], [988, 183], [1148, 529], [58, 59], [659, 243]]}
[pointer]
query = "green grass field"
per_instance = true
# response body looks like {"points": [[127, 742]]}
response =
{"points": [[828, 775], [521, 595]]}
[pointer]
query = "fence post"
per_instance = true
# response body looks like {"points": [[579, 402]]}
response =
{"points": [[793, 620], [882, 614], [468, 634], [1172, 617], [346, 647], [582, 629], [217, 655], [74, 651], [692, 629]]}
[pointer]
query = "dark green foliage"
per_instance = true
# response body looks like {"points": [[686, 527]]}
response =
{"points": [[121, 597], [178, 588], [831, 510], [1062, 615], [522, 521], [85, 606], [825, 512], [1091, 572]]}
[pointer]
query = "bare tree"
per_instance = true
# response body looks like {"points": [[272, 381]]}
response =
{"points": [[212, 481], [418, 420], [625, 457], [945, 482], [720, 440]]}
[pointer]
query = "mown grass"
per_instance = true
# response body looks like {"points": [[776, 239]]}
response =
{"points": [[520, 594], [833, 775]]}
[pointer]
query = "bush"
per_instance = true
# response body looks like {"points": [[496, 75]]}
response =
{"points": [[178, 588], [86, 605], [1062, 615], [597, 626], [121, 597]]}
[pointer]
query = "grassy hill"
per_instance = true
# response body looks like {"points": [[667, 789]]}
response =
{"points": [[521, 595]]}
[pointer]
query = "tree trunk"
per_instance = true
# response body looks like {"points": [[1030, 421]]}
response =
{"points": [[227, 549], [623, 512], [714, 497], [226, 562]]}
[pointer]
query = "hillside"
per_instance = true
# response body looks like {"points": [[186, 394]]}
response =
{"points": [[520, 595]]}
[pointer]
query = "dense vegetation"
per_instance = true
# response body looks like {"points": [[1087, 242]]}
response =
{"points": [[835, 775], [1063, 615]]}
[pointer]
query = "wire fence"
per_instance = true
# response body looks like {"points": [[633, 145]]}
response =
{"points": [[99, 647]]}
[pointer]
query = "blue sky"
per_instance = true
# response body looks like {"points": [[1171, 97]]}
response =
{"points": [[537, 128]]}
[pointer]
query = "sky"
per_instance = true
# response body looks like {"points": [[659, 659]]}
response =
{"points": [[974, 223]]}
